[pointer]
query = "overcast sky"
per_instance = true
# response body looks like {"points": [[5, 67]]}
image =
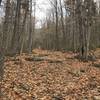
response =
{"points": [[41, 8]]}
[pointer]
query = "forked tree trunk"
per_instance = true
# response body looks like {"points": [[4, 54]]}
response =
{"points": [[16, 31], [22, 38]]}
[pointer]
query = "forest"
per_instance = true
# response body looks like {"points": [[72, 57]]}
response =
{"points": [[49, 49]]}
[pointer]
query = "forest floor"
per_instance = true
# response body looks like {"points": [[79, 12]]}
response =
{"points": [[49, 75]]}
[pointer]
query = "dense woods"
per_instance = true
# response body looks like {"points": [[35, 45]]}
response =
{"points": [[71, 26]]}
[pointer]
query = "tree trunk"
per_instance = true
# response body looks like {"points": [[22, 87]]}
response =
{"points": [[56, 15], [30, 30], [16, 34]]}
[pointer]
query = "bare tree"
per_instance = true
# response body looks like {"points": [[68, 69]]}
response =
{"points": [[30, 30], [0, 2], [16, 31]]}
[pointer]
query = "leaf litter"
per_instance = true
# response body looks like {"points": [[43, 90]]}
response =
{"points": [[43, 80]]}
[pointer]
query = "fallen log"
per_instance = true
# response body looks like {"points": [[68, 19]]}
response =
{"points": [[44, 59], [96, 65]]}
